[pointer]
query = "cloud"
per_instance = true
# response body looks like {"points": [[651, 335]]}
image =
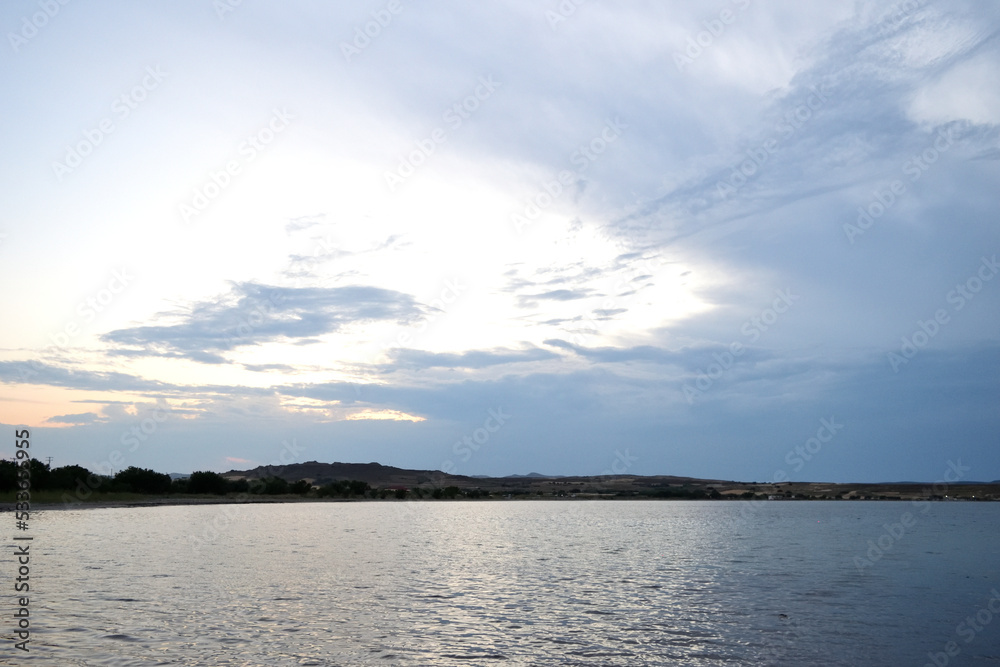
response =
{"points": [[416, 359], [269, 368], [689, 358], [302, 223], [531, 300], [37, 372], [253, 314], [607, 314], [736, 175], [81, 418], [382, 415], [841, 121]]}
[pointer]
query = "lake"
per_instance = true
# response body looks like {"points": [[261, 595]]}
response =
{"points": [[514, 582]]}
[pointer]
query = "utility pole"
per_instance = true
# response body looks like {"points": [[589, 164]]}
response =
{"points": [[49, 461]]}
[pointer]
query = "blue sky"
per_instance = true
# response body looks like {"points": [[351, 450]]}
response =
{"points": [[730, 240]]}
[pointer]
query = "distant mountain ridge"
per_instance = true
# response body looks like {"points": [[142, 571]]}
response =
{"points": [[382, 475], [373, 473], [604, 486], [536, 475]]}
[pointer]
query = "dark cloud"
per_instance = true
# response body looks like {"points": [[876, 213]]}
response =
{"points": [[744, 424], [411, 359], [81, 418], [37, 372], [531, 300], [564, 278], [48, 374], [252, 314], [825, 90], [689, 359], [269, 368], [840, 124]]}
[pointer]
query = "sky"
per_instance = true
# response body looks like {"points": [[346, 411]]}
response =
{"points": [[728, 240]]}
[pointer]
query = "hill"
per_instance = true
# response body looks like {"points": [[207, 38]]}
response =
{"points": [[606, 486]]}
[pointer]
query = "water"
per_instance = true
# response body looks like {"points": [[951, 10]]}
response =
{"points": [[515, 582]]}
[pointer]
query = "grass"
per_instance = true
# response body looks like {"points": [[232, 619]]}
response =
{"points": [[58, 497]]}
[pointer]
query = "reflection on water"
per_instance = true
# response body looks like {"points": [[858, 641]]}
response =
{"points": [[475, 583]]}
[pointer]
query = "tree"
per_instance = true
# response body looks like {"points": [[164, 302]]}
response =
{"points": [[329, 490], [275, 486], [68, 477], [9, 479], [205, 481], [301, 487], [39, 475], [8, 476], [238, 485], [143, 480]]}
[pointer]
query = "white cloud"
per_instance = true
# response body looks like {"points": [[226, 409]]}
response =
{"points": [[964, 92], [425, 301]]}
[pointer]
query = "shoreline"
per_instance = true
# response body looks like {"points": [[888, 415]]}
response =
{"points": [[178, 502], [156, 501]]}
